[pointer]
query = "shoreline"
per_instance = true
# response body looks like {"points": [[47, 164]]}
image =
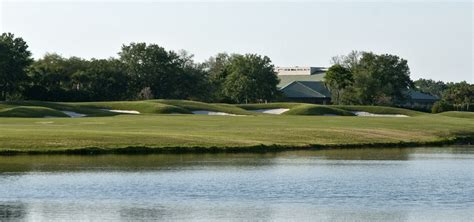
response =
{"points": [[141, 150]]}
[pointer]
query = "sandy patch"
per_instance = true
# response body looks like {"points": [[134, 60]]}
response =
{"points": [[74, 114], [271, 111], [378, 115], [212, 113], [45, 122], [122, 111]]}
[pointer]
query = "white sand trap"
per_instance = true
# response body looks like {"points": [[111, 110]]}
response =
{"points": [[378, 115], [271, 111], [122, 111], [74, 114], [212, 113]]}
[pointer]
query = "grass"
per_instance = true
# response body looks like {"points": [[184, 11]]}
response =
{"points": [[189, 131], [457, 114], [155, 131], [30, 111], [308, 109], [216, 107], [147, 107], [268, 106], [380, 110], [98, 109]]}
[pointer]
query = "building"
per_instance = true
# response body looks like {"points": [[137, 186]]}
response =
{"points": [[306, 84], [303, 84], [297, 71]]}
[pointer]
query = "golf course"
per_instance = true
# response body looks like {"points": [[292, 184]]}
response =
{"points": [[155, 126]]}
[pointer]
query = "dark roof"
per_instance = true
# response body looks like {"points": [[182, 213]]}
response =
{"points": [[306, 89], [287, 79], [312, 86], [417, 95]]}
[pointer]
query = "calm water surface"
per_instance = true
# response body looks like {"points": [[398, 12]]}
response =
{"points": [[416, 184]]}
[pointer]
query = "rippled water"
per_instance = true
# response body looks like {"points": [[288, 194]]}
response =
{"points": [[416, 184]]}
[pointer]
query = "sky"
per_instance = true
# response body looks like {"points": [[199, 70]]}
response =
{"points": [[435, 37]]}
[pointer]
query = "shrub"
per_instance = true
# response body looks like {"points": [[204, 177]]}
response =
{"points": [[441, 106]]}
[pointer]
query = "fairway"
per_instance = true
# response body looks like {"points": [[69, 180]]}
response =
{"points": [[186, 131]]}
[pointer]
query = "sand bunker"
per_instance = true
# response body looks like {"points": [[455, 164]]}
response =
{"points": [[212, 113], [74, 114], [271, 111], [378, 115], [122, 111]]}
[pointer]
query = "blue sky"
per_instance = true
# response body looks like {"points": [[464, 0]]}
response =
{"points": [[435, 37]]}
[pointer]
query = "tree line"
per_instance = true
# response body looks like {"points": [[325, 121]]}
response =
{"points": [[141, 71], [149, 71], [453, 96], [366, 78]]}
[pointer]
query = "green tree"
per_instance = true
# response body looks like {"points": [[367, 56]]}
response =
{"points": [[379, 80], [105, 80], [14, 60], [337, 79], [251, 78], [217, 72], [347, 61], [192, 79], [48, 76], [56, 78], [435, 88], [151, 66], [460, 95]]}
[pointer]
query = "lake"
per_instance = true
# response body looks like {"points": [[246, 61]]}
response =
{"points": [[396, 184]]}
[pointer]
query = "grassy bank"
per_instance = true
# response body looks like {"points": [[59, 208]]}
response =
{"points": [[100, 109], [200, 133]]}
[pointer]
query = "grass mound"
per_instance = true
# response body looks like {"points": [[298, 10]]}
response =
{"points": [[73, 107], [268, 106], [215, 107], [379, 110], [458, 114], [148, 106], [308, 109], [30, 111], [161, 106]]}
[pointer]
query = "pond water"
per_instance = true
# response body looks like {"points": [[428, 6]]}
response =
{"points": [[409, 184]]}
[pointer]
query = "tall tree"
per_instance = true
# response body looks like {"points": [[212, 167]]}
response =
{"points": [[105, 80], [153, 67], [251, 78], [337, 79], [379, 80], [57, 78], [14, 59], [192, 79], [461, 95], [217, 69], [347, 61]]}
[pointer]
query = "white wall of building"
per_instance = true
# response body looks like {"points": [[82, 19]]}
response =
{"points": [[297, 70]]}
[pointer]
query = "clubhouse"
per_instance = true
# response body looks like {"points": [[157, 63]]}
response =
{"points": [[306, 84]]}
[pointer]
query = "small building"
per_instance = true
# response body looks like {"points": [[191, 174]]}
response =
{"points": [[419, 100], [306, 84], [303, 84], [297, 70]]}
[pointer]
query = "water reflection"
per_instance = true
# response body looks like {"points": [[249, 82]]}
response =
{"points": [[27, 163], [336, 185], [132, 213], [10, 211]]}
